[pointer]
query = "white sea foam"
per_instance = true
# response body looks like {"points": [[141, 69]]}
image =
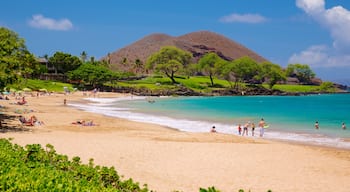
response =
{"points": [[103, 106]]}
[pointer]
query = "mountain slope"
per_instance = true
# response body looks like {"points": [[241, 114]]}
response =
{"points": [[198, 43]]}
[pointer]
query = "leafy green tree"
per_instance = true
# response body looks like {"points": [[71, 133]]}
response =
{"points": [[272, 73], [210, 64], [15, 60], [191, 69], [243, 69], [169, 60], [227, 73], [64, 62], [91, 74], [302, 72], [246, 69], [327, 87]]}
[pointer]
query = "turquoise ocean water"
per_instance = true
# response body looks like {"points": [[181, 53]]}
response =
{"points": [[291, 118]]}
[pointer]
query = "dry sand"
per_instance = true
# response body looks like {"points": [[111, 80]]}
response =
{"points": [[169, 160]]}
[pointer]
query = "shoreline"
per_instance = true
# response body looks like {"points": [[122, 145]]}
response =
{"points": [[168, 159], [181, 124]]}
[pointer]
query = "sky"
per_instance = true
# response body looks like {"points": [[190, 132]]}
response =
{"points": [[312, 32]]}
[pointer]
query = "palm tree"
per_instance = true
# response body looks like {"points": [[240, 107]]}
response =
{"points": [[83, 56]]}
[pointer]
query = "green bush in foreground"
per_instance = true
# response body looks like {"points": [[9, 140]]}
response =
{"points": [[36, 169], [32, 168]]}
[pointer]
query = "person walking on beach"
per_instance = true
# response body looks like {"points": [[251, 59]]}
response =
{"points": [[317, 126], [261, 127], [343, 126], [253, 128]]}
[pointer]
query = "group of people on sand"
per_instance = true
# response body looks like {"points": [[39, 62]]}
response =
{"points": [[246, 126]]}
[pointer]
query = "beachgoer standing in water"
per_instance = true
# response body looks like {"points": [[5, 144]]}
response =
{"points": [[343, 126], [253, 128], [213, 129], [239, 129], [245, 128], [317, 126], [261, 126]]}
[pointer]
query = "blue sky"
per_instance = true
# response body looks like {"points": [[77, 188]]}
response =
{"points": [[313, 32]]}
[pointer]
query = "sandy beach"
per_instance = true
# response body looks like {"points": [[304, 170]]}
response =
{"points": [[167, 160]]}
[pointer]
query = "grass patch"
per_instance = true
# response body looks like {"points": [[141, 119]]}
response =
{"points": [[35, 85], [296, 88], [198, 84]]}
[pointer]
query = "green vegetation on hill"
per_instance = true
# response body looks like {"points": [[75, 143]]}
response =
{"points": [[199, 84], [202, 84]]}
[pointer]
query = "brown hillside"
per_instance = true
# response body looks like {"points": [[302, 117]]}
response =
{"points": [[198, 43]]}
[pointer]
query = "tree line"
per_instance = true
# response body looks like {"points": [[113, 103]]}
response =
{"points": [[171, 60], [17, 62]]}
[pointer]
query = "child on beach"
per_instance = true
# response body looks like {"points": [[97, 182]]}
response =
{"points": [[239, 129]]}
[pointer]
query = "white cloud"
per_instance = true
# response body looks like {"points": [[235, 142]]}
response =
{"points": [[312, 56], [245, 18], [320, 56], [311, 6], [337, 21], [39, 21]]}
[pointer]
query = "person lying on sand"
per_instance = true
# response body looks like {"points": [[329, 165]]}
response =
{"points": [[84, 123], [78, 122], [31, 121]]}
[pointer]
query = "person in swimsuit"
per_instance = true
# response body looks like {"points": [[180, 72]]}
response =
{"points": [[245, 128], [213, 129], [317, 126], [261, 126], [239, 129], [253, 129]]}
